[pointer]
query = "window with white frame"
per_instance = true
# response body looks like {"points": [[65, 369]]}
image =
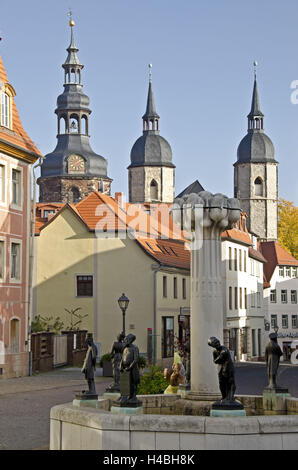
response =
{"points": [[2, 182], [293, 296], [16, 187], [284, 321], [5, 110], [2, 259], [15, 261], [273, 296], [273, 321], [284, 296], [294, 321], [288, 271], [281, 271]]}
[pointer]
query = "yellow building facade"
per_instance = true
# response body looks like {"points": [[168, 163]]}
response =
{"points": [[74, 267]]}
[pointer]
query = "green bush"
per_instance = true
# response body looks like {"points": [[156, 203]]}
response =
{"points": [[152, 382], [142, 363]]}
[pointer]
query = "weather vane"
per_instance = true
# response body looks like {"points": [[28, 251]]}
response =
{"points": [[255, 68], [150, 72], [71, 22]]}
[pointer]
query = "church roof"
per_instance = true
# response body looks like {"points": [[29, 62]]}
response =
{"points": [[194, 187]]}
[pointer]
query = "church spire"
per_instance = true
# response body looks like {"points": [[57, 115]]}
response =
{"points": [[72, 65], [150, 115], [255, 117]]}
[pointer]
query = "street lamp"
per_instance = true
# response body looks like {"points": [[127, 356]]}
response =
{"points": [[123, 302]]}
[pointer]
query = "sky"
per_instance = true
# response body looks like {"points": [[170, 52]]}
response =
{"points": [[202, 52]]}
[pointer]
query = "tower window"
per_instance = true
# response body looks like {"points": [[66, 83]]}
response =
{"points": [[74, 194], [258, 187], [153, 190], [4, 110]]}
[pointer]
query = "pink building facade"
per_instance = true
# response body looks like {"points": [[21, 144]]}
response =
{"points": [[17, 154]]}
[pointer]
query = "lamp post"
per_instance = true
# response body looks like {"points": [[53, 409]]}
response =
{"points": [[123, 302]]}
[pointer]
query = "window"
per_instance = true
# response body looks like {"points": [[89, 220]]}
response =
{"points": [[84, 286], [235, 259], [168, 337], [47, 212], [2, 183], [252, 267], [281, 271], [294, 321], [175, 288], [288, 271], [284, 296], [15, 261], [258, 187], [273, 296], [240, 260], [240, 297], [258, 299], [284, 321], [273, 321], [164, 286], [236, 298], [16, 187], [244, 340], [253, 299], [244, 259], [230, 258], [293, 296], [153, 190], [15, 336], [5, 110], [258, 269], [230, 298], [1, 259], [245, 297], [184, 288]]}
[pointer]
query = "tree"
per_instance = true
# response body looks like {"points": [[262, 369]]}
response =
{"points": [[288, 226]]}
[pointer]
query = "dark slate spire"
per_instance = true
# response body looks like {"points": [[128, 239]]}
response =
{"points": [[150, 115], [256, 146], [151, 148], [73, 115]]}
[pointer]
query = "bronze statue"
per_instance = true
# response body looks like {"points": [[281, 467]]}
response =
{"points": [[116, 355], [226, 372], [272, 356], [89, 367], [130, 370]]}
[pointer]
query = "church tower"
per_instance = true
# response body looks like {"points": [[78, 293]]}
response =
{"points": [[151, 172], [72, 170], [255, 174]]}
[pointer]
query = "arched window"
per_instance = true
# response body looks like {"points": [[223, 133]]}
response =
{"points": [[153, 190], [73, 76], [14, 335], [74, 194], [258, 184], [62, 125], [84, 124], [74, 124]]}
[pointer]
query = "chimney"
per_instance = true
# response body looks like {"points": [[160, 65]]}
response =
{"points": [[119, 198]]}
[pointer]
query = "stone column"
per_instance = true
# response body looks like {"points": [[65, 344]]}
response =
{"points": [[206, 216]]}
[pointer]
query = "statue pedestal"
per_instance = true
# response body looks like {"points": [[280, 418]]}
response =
{"points": [[112, 395], [274, 400], [231, 409], [86, 403], [125, 410]]}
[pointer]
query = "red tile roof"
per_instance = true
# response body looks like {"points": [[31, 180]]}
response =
{"points": [[275, 256], [16, 136]]}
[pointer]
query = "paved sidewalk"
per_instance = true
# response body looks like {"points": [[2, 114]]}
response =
{"points": [[57, 378]]}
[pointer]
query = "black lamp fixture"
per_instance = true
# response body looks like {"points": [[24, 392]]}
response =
{"points": [[123, 302]]}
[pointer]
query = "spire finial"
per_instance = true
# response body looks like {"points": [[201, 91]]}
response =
{"points": [[255, 69], [150, 72], [71, 21]]}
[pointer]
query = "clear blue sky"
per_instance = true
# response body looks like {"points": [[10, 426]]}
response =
{"points": [[202, 54]]}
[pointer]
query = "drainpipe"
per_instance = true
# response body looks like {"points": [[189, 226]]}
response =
{"points": [[31, 261], [156, 269]]}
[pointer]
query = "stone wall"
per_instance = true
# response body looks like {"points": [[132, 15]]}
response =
{"points": [[75, 428], [57, 188]]}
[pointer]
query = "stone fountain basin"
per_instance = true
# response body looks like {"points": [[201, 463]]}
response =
{"points": [[87, 428]]}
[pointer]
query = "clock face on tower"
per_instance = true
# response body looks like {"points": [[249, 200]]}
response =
{"points": [[75, 164]]}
